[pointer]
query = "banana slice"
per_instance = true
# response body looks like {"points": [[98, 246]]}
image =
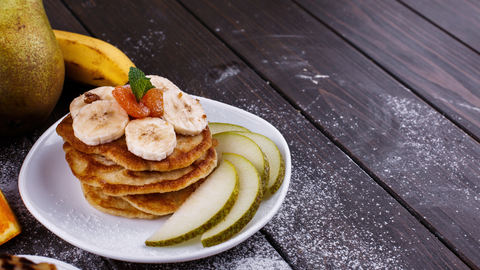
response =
{"points": [[162, 83], [100, 122], [104, 93], [184, 112], [151, 138]]}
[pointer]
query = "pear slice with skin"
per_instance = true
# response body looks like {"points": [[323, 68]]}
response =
{"points": [[275, 159], [231, 142], [217, 127], [205, 208], [249, 198]]}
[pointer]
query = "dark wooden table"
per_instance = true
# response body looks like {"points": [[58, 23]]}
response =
{"points": [[379, 101]]}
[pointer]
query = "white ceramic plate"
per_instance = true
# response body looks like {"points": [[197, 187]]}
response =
{"points": [[59, 264], [53, 195]]}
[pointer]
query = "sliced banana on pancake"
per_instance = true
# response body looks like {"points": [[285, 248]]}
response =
{"points": [[102, 93], [151, 138], [100, 122], [162, 83], [184, 112]]}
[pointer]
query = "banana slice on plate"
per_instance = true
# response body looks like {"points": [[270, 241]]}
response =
{"points": [[102, 93], [100, 122], [162, 83], [151, 138], [185, 113]]}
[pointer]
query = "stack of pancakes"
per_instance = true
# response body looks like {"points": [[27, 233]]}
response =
{"points": [[117, 182]]}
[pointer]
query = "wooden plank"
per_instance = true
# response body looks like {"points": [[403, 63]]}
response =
{"points": [[414, 152], [427, 60], [459, 18], [61, 18], [335, 215]]}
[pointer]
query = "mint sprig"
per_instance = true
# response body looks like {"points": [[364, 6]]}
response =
{"points": [[139, 83]]}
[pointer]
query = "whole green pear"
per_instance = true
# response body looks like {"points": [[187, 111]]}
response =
{"points": [[32, 70]]}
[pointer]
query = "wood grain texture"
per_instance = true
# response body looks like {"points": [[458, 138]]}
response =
{"points": [[61, 18], [335, 215], [417, 154], [423, 57], [460, 18]]}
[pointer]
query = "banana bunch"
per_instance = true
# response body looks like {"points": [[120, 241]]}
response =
{"points": [[92, 61]]}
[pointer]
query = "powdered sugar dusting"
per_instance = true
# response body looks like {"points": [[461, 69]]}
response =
{"points": [[432, 155], [423, 142], [259, 263], [319, 224], [48, 245], [145, 47], [253, 254], [314, 218], [335, 216]]}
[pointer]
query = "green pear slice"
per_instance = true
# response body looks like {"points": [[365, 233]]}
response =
{"points": [[217, 127], [205, 208], [232, 142], [249, 198], [275, 159]]}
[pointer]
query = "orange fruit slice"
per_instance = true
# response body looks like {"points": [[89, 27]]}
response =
{"points": [[153, 99], [9, 225], [125, 97]]}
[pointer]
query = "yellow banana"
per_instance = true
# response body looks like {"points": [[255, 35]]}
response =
{"points": [[92, 61]]}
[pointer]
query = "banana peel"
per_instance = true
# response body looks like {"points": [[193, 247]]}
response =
{"points": [[92, 61]]}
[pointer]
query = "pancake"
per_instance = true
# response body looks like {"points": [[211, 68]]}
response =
{"points": [[115, 180], [93, 169], [188, 149], [162, 203], [112, 205]]}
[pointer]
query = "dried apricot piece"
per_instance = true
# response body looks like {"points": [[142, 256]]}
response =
{"points": [[9, 225], [153, 99], [125, 97]]}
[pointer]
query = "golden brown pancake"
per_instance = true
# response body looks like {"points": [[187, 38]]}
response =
{"points": [[115, 180], [188, 149], [162, 203], [112, 205], [93, 169]]}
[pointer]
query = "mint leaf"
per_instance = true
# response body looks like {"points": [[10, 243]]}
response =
{"points": [[139, 83]]}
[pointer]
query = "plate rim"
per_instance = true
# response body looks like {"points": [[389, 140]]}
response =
{"points": [[41, 259], [206, 252]]}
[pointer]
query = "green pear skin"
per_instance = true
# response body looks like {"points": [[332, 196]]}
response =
{"points": [[32, 69]]}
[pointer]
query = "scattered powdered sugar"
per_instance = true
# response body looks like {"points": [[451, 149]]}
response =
{"points": [[423, 131], [228, 72], [430, 147], [12, 155], [222, 72], [259, 263], [317, 219], [254, 253], [313, 79], [416, 151], [328, 220], [145, 46]]}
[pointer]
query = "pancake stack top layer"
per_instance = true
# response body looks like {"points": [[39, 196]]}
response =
{"points": [[116, 181]]}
